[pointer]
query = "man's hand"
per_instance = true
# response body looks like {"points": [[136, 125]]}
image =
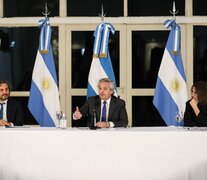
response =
{"points": [[103, 124], [77, 114], [4, 123]]}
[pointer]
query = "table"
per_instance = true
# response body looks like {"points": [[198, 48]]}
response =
{"points": [[161, 153]]}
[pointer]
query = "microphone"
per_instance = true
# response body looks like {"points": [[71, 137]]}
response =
{"points": [[93, 120]]}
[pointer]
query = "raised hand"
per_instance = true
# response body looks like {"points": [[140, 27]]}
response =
{"points": [[77, 114]]}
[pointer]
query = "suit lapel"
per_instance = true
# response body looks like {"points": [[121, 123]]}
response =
{"points": [[111, 108], [8, 109], [98, 108]]}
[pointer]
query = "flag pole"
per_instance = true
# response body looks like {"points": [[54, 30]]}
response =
{"points": [[45, 32], [44, 99], [174, 11], [47, 12], [102, 15], [171, 88], [101, 66]]}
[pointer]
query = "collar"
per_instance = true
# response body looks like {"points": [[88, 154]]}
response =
{"points": [[4, 102], [108, 101]]}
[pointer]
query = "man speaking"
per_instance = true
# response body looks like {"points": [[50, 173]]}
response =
{"points": [[109, 111]]}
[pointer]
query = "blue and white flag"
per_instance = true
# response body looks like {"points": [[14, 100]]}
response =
{"points": [[171, 90], [101, 66], [44, 94]]}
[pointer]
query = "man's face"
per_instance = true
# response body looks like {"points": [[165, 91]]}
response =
{"points": [[4, 92], [104, 90]]}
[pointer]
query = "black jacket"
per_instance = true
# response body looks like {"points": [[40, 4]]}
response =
{"points": [[117, 110], [15, 112], [190, 118]]}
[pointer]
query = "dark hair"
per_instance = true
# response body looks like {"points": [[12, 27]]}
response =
{"points": [[6, 82], [201, 89]]}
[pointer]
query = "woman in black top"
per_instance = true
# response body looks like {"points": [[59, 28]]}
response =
{"points": [[196, 108]]}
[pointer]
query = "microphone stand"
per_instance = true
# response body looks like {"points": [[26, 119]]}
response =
{"points": [[93, 121]]}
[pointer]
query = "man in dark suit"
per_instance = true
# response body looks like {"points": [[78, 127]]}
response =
{"points": [[11, 112], [108, 110]]}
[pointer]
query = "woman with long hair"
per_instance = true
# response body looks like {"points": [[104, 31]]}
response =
{"points": [[196, 108]]}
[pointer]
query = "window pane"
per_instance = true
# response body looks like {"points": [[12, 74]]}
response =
{"points": [[82, 52], [16, 8], [144, 112], [93, 7], [18, 52], [29, 119], [147, 51], [200, 7], [154, 8], [78, 101], [200, 53]]}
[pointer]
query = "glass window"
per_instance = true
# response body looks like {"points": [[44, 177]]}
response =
{"points": [[200, 7], [147, 51], [144, 112], [200, 53], [16, 8], [29, 119], [78, 101], [154, 8], [18, 52], [93, 7], [82, 52]]}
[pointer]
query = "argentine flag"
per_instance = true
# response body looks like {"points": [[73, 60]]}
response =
{"points": [[101, 66], [44, 95], [171, 91]]}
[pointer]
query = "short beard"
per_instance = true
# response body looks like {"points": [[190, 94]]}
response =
{"points": [[5, 97]]}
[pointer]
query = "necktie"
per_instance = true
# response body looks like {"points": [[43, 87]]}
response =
{"points": [[1, 110], [103, 117]]}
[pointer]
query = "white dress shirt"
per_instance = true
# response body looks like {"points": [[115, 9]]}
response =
{"points": [[4, 109], [111, 124]]}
